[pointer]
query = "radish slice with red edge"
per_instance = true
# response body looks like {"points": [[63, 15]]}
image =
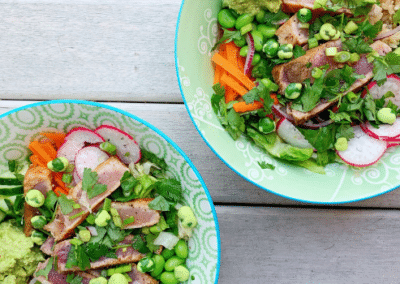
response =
{"points": [[75, 140], [250, 54], [77, 179], [362, 150], [290, 134], [127, 148], [392, 84], [89, 157], [387, 132]]}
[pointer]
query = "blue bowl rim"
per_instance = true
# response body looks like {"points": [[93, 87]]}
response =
{"points": [[159, 132], [232, 168]]}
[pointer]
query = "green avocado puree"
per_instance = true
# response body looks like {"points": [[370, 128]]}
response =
{"points": [[253, 6], [18, 256]]}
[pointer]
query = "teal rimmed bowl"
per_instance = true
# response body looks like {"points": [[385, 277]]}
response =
{"points": [[196, 34], [22, 125]]}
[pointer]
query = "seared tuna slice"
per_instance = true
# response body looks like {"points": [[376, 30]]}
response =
{"points": [[124, 255], [47, 246], [362, 67], [35, 178], [139, 277], [290, 32], [54, 277], [109, 173], [292, 6], [139, 208]]}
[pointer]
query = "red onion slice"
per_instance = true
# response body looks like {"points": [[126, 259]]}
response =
{"points": [[250, 54], [388, 33]]}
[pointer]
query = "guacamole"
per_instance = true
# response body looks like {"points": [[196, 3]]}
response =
{"points": [[18, 256], [253, 6]]}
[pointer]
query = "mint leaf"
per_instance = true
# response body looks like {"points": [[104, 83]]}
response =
{"points": [[159, 203]]}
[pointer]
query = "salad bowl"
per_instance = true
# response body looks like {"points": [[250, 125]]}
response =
{"points": [[21, 126], [196, 34]]}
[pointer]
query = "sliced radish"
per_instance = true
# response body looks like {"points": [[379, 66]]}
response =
{"points": [[392, 84], [387, 132], [77, 179], [89, 157], [290, 134], [75, 140], [362, 150], [128, 149]]}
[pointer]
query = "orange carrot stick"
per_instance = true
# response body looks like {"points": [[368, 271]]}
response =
{"points": [[231, 82], [57, 177], [58, 190], [218, 69], [230, 94], [275, 98], [233, 70], [45, 151], [35, 160], [56, 137], [243, 107]]}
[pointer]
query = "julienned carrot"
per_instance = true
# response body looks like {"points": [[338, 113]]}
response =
{"points": [[56, 137], [231, 82], [230, 94], [45, 151], [232, 51], [58, 190], [233, 70], [35, 160], [275, 98], [218, 69], [243, 107], [57, 177]]}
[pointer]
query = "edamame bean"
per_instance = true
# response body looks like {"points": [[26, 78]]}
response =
{"points": [[244, 50], [159, 263], [266, 31], [167, 253], [260, 16], [256, 59], [226, 19], [173, 262], [243, 20], [258, 40], [168, 278], [181, 249], [240, 42]]}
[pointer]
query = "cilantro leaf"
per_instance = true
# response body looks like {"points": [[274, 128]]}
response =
{"points": [[89, 183], [298, 51], [96, 190], [150, 242], [159, 203], [264, 165], [228, 36], [72, 279], [115, 233], [149, 156], [77, 257], [357, 45], [386, 65], [236, 124], [45, 271], [171, 218], [345, 130], [66, 204], [139, 244], [97, 250], [339, 116], [170, 189], [321, 139]]}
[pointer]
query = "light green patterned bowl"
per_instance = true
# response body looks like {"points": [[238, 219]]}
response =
{"points": [[22, 125], [195, 36]]}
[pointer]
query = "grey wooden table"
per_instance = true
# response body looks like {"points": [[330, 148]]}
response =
{"points": [[122, 53]]}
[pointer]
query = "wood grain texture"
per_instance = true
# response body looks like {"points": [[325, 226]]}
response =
{"points": [[279, 246], [97, 50], [224, 184]]}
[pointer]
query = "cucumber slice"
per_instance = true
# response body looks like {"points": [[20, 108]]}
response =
{"points": [[8, 178], [11, 190], [3, 205], [2, 216]]}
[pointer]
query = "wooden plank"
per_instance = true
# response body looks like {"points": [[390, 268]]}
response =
{"points": [[98, 50], [224, 184], [281, 245]]}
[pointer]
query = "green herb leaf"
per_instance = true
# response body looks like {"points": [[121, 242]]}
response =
{"points": [[66, 204], [139, 244], [159, 203], [150, 242], [96, 190], [386, 65], [339, 116], [357, 45], [298, 51], [228, 36], [264, 165], [236, 124], [89, 183], [72, 279], [170, 189], [321, 139], [344, 130], [45, 272]]}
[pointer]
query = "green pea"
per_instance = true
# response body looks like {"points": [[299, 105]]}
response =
{"points": [[243, 20], [266, 125], [168, 278], [260, 16], [304, 15], [256, 59], [267, 31], [181, 249], [244, 50], [173, 262], [226, 19], [271, 48], [240, 42], [258, 40], [167, 253], [159, 263]]}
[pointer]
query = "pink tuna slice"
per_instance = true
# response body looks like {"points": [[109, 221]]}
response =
{"points": [[75, 140], [128, 149]]}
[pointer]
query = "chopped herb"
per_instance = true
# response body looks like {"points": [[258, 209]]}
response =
{"points": [[45, 271], [298, 51], [129, 220], [139, 244], [89, 183], [264, 165], [66, 204], [228, 36], [386, 65], [127, 154], [159, 203], [72, 279], [170, 189]]}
